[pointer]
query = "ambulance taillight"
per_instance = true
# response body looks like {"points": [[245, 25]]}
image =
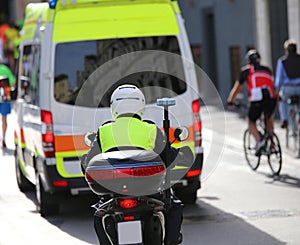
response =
{"points": [[47, 133], [197, 123]]}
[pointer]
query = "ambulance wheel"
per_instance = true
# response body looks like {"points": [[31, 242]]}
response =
{"points": [[44, 205], [23, 183]]}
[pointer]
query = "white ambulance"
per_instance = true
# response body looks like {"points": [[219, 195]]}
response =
{"points": [[73, 54]]}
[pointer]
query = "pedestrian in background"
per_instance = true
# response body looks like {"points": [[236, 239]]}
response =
{"points": [[287, 81], [5, 106]]}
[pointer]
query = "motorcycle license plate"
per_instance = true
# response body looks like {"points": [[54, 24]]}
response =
{"points": [[130, 232]]}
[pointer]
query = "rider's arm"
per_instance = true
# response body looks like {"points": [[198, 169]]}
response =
{"points": [[237, 88], [238, 85], [161, 146], [94, 150], [279, 75], [183, 155]]}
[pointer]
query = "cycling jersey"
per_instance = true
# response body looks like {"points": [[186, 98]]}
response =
{"points": [[258, 78]]}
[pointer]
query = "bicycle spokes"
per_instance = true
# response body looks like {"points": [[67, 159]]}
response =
{"points": [[249, 150], [274, 154], [271, 150]]}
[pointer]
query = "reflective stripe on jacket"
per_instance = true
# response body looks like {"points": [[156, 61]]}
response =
{"points": [[127, 131]]}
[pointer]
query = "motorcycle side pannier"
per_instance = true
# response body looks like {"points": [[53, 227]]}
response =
{"points": [[128, 172]]}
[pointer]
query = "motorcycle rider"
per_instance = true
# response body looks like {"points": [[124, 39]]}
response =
{"points": [[127, 108]]}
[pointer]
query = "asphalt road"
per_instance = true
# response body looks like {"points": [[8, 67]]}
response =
{"points": [[236, 206]]}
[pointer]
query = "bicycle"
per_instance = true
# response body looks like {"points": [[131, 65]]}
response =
{"points": [[293, 128], [271, 149]]}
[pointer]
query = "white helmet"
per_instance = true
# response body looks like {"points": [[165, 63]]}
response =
{"points": [[127, 99]]}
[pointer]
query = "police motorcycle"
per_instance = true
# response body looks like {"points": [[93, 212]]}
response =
{"points": [[129, 178]]}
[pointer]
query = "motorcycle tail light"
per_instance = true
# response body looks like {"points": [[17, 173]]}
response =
{"points": [[149, 171], [193, 173], [128, 203], [128, 218], [60, 183]]}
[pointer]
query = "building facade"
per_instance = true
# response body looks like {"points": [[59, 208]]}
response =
{"points": [[18, 8], [222, 31]]}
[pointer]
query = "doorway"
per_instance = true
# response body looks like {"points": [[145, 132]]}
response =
{"points": [[209, 46], [279, 28]]}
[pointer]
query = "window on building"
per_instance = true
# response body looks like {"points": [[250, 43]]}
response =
{"points": [[235, 62], [197, 56]]}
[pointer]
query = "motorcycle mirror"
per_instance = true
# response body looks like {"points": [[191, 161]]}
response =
{"points": [[89, 138], [181, 133]]}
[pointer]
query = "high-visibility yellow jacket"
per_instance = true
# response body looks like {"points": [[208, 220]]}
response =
{"points": [[127, 132]]}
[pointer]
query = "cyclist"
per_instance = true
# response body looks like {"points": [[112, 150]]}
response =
{"points": [[287, 80], [127, 107], [261, 89]]}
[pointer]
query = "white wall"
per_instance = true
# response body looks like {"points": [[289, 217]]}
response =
{"points": [[294, 19], [263, 31]]}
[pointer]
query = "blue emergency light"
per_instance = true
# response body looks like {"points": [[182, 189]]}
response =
{"points": [[165, 102], [52, 4]]}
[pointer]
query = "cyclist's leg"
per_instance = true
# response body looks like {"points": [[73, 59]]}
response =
{"points": [[269, 106], [253, 130], [270, 124], [253, 114], [283, 110], [283, 105]]}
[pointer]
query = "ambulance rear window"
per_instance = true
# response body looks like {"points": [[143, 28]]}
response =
{"points": [[87, 72]]}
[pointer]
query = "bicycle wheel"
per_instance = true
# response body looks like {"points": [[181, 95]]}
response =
{"points": [[274, 154], [249, 149]]}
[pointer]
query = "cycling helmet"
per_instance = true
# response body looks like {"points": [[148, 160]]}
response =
{"points": [[253, 57], [127, 99]]}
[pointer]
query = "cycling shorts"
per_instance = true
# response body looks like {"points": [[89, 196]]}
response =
{"points": [[266, 106], [5, 108]]}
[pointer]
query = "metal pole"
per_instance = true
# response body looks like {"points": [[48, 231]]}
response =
{"points": [[165, 103], [166, 124]]}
